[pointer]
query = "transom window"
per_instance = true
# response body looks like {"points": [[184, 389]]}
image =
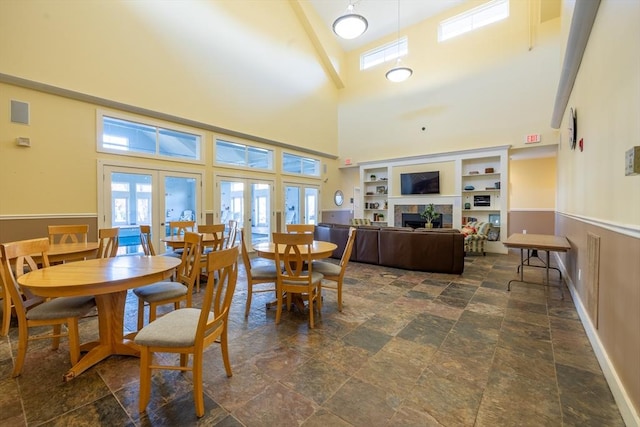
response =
{"points": [[235, 154], [384, 53], [127, 137], [488, 13], [299, 165]]}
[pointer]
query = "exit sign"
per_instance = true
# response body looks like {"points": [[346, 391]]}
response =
{"points": [[532, 138]]}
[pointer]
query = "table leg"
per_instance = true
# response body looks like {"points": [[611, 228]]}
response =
{"points": [[111, 342], [520, 270]]}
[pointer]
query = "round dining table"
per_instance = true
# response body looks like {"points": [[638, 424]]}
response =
{"points": [[59, 252], [108, 279], [319, 249]]}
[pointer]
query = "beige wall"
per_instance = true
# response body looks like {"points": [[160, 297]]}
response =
{"points": [[195, 60], [594, 195], [485, 88], [532, 184]]}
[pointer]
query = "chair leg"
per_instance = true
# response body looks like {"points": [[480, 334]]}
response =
{"points": [[140, 313], [6, 316], [145, 378], [152, 312], [224, 347], [311, 310], [340, 295], [184, 359], [278, 307], [23, 343], [198, 394], [74, 340], [55, 341], [249, 296]]}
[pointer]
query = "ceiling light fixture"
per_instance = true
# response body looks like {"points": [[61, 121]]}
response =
{"points": [[399, 73], [350, 25]]}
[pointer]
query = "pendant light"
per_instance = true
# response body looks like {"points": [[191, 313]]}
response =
{"points": [[399, 73], [350, 25]]}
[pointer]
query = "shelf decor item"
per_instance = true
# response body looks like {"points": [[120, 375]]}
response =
{"points": [[372, 177], [488, 170], [429, 214], [469, 187]]}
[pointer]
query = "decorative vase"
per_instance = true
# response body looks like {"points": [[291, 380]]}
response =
{"points": [[428, 225]]}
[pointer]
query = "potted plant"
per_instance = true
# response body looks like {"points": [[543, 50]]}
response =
{"points": [[429, 214]]}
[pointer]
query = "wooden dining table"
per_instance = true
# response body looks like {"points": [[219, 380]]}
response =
{"points": [[177, 241], [108, 279], [319, 249], [60, 252]]}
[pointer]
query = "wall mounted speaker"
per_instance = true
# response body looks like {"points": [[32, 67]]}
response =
{"points": [[19, 112]]}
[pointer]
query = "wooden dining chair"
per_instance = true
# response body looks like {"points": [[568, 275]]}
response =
{"points": [[296, 277], [335, 273], [301, 228], [68, 233], [33, 311], [6, 304], [108, 242], [145, 240], [256, 275], [189, 331], [178, 228], [217, 231], [173, 292]]}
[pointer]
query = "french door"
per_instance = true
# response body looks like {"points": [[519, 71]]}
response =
{"points": [[300, 204], [248, 201], [133, 196]]}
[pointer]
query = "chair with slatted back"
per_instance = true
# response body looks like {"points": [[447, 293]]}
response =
{"points": [[335, 273], [214, 241], [6, 305], [33, 311], [256, 275], [145, 240], [294, 277], [108, 242], [178, 228], [300, 228], [168, 292], [68, 233], [191, 330]]}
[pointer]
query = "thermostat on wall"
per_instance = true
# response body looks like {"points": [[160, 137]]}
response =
{"points": [[632, 161]]}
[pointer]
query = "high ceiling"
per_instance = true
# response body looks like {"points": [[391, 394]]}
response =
{"points": [[382, 15]]}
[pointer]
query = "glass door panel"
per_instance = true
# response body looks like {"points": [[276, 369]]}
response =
{"points": [[300, 204], [291, 204], [250, 203], [180, 199], [311, 205]]}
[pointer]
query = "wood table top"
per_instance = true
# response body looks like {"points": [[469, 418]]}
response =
{"points": [[98, 276], [319, 249], [538, 241]]}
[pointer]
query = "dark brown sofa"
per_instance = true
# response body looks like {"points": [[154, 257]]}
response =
{"points": [[438, 251]]}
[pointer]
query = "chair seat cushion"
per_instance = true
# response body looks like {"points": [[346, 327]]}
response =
{"points": [[174, 329], [315, 278], [264, 272], [161, 291], [60, 308], [326, 268]]}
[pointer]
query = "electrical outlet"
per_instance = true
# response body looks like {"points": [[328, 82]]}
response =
{"points": [[579, 274], [524, 231]]}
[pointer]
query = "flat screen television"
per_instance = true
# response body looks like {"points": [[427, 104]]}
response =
{"points": [[420, 183]]}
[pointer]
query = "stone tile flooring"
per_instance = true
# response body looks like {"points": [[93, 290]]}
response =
{"points": [[409, 349]]}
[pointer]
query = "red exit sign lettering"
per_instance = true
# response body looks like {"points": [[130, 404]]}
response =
{"points": [[532, 138]]}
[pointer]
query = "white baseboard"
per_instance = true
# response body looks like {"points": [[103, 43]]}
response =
{"points": [[625, 405]]}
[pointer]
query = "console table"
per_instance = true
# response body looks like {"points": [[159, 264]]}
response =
{"points": [[541, 242]]}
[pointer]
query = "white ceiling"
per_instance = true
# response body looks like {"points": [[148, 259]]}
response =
{"points": [[382, 15]]}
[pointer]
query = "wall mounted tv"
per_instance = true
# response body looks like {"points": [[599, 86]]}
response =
{"points": [[420, 183]]}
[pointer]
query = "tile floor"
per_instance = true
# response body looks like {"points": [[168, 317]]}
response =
{"points": [[409, 349]]}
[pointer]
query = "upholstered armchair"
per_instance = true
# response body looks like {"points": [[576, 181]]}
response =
{"points": [[476, 233]]}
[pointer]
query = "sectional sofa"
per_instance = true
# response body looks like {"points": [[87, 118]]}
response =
{"points": [[435, 250]]}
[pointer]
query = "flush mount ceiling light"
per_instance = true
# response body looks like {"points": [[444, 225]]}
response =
{"points": [[350, 25], [399, 73]]}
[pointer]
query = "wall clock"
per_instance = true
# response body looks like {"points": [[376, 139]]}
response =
{"points": [[573, 128]]}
